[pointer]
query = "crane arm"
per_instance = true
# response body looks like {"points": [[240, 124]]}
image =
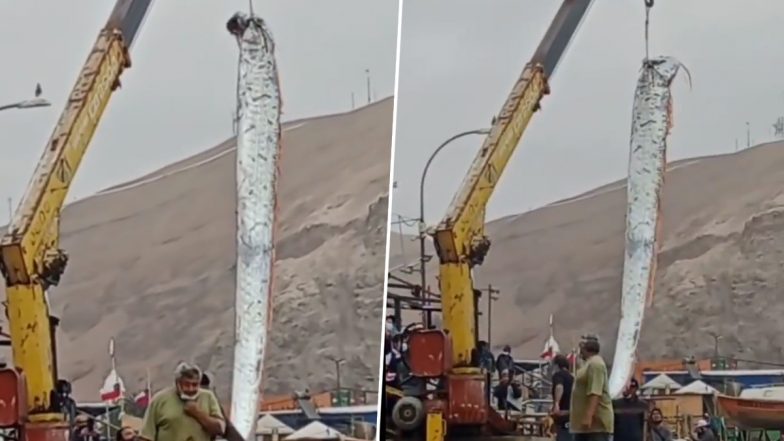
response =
{"points": [[29, 256], [459, 238]]}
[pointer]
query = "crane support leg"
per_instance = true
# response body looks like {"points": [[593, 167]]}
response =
{"points": [[436, 427], [28, 317]]}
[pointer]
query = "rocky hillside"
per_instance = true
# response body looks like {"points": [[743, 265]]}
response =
{"points": [[152, 264], [720, 268]]}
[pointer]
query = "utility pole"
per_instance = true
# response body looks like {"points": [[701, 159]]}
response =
{"points": [[352, 101], [716, 338], [367, 74], [10, 211], [338, 362], [748, 134], [736, 144], [490, 299]]}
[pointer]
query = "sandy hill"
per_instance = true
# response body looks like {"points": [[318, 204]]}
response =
{"points": [[720, 268], [152, 263]]}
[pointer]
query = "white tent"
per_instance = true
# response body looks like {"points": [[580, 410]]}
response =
{"points": [[696, 388], [315, 430], [268, 423], [661, 382]]}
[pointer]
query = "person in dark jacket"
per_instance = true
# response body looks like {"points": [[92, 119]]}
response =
{"points": [[85, 429], [230, 434], [630, 414], [486, 359], [393, 361], [501, 390], [703, 432], [657, 428], [563, 381], [505, 362]]}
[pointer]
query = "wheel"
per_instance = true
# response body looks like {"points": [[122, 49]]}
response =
{"points": [[408, 413]]}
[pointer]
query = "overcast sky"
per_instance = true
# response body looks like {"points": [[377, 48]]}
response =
{"points": [[178, 97], [460, 58]]}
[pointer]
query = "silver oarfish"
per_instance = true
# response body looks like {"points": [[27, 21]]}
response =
{"points": [[258, 148], [651, 123]]}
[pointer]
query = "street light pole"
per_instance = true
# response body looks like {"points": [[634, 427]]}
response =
{"points": [[422, 227], [716, 338], [338, 362], [27, 104]]}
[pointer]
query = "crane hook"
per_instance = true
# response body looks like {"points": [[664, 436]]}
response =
{"points": [[648, 3]]}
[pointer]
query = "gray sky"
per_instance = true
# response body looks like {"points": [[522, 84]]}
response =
{"points": [[459, 59], [178, 97]]}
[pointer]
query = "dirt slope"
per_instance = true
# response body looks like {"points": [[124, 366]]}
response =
{"points": [[152, 263], [720, 267]]}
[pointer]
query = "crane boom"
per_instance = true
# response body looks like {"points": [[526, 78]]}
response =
{"points": [[459, 238], [29, 256]]}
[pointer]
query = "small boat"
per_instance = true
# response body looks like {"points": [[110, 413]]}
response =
{"points": [[752, 413]]}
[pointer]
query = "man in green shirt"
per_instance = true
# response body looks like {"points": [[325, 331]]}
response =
{"points": [[591, 414], [185, 411]]}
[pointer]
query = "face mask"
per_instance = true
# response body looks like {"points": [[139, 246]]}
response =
{"points": [[186, 397], [390, 327]]}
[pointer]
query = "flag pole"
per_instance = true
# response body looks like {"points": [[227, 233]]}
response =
{"points": [[117, 376], [149, 385], [114, 370], [551, 327]]}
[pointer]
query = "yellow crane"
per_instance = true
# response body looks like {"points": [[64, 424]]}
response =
{"points": [[459, 238], [30, 258], [461, 244]]}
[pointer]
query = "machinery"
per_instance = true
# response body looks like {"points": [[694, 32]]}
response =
{"points": [[457, 399], [37, 402]]}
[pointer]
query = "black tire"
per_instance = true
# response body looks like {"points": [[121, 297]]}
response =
{"points": [[408, 413]]}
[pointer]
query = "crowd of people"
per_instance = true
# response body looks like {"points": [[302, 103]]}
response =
{"points": [[186, 411], [583, 409], [85, 430]]}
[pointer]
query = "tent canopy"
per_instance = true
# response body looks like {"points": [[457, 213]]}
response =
{"points": [[697, 388], [268, 423], [315, 431], [662, 381]]}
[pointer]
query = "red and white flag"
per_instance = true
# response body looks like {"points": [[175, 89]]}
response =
{"points": [[113, 388], [142, 399], [551, 347]]}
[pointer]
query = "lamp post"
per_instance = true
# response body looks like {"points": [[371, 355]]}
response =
{"points": [[422, 227], [716, 339], [27, 104], [338, 362]]}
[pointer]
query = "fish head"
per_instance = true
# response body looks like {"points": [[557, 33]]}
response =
{"points": [[665, 68], [237, 24], [250, 29]]}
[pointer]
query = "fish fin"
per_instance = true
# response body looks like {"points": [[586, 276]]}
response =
{"points": [[688, 75], [685, 69]]}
